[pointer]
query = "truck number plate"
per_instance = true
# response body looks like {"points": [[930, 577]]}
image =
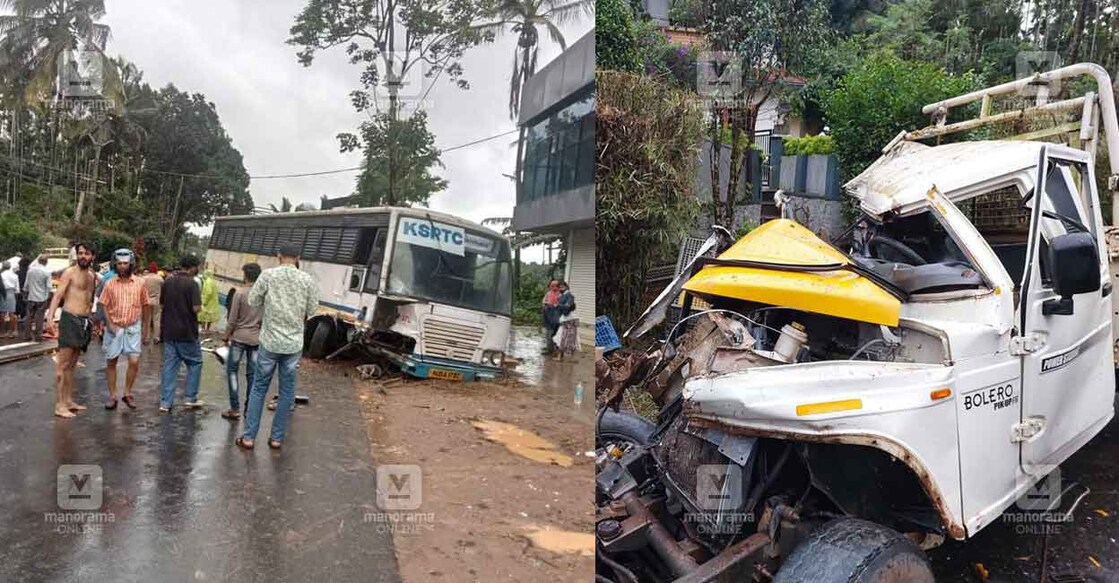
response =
{"points": [[448, 375]]}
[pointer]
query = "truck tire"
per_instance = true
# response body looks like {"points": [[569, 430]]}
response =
{"points": [[624, 427], [320, 345], [851, 550]]}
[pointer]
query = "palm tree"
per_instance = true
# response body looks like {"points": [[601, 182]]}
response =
{"points": [[33, 42], [285, 206], [40, 32], [524, 18]]}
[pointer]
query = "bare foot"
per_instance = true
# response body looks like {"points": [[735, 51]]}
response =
{"points": [[63, 412], [74, 406]]}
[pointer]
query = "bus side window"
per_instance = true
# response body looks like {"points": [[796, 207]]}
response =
{"points": [[376, 257]]}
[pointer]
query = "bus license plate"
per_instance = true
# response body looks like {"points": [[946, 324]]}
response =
{"points": [[447, 375]]}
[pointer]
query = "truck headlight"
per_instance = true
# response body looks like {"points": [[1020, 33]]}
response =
{"points": [[493, 357]]}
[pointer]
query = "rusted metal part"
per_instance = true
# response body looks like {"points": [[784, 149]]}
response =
{"points": [[1076, 104], [674, 556], [730, 557], [954, 529]]}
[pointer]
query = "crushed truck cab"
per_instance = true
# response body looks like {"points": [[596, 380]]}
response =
{"points": [[917, 380]]}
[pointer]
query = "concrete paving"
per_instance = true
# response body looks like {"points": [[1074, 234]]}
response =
{"points": [[180, 501]]}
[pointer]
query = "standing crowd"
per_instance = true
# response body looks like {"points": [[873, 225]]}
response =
{"points": [[130, 307]]}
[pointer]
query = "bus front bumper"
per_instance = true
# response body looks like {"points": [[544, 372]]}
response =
{"points": [[426, 367]]}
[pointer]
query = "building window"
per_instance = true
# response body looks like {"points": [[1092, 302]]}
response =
{"points": [[559, 150]]}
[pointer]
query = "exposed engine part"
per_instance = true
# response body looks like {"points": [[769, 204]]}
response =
{"points": [[790, 342]]}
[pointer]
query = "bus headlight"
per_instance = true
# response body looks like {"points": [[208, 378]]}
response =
{"points": [[493, 357]]}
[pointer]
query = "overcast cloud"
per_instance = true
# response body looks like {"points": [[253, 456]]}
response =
{"points": [[284, 117]]}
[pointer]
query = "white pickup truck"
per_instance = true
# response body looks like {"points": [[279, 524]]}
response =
{"points": [[828, 414]]}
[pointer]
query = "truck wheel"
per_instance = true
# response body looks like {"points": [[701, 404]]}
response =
{"points": [[851, 550], [320, 345], [618, 427]]}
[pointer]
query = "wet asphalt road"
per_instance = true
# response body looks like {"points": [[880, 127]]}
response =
{"points": [[180, 501], [1011, 551]]}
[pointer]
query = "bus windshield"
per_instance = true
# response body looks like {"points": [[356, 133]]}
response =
{"points": [[451, 265]]}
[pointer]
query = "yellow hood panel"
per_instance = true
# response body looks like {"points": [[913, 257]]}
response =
{"points": [[836, 293]]}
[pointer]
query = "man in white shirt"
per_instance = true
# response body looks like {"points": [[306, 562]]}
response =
{"points": [[13, 262], [9, 321], [37, 290]]}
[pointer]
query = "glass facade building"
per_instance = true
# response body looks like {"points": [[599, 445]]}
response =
{"points": [[560, 149]]}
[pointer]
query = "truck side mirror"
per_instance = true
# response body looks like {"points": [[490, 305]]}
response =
{"points": [[1075, 264]]}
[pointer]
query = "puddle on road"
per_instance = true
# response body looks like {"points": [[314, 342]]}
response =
{"points": [[538, 371], [563, 542], [522, 442]]}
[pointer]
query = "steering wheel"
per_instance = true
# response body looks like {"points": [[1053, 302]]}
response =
{"points": [[912, 256]]}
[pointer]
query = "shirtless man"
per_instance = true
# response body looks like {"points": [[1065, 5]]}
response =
{"points": [[75, 293]]}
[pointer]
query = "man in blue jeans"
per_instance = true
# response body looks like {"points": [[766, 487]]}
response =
{"points": [[182, 299], [286, 297], [242, 335]]}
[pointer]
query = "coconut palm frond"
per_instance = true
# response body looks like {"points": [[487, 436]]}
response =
{"points": [[556, 35]]}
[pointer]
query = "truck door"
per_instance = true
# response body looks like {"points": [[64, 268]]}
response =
{"points": [[1068, 385]]}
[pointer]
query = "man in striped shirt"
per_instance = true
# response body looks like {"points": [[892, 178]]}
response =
{"points": [[123, 299]]}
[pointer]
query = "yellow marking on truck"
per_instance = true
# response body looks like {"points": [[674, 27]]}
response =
{"points": [[829, 407]]}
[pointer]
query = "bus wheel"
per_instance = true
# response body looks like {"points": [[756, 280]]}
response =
{"points": [[321, 340]]}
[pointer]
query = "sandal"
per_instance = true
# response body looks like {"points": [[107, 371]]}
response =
{"points": [[275, 443], [112, 404], [127, 399], [244, 443], [231, 414]]}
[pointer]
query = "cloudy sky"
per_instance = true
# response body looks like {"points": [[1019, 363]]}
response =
{"points": [[284, 117]]}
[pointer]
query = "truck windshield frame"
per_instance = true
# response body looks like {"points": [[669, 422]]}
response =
{"points": [[474, 273]]}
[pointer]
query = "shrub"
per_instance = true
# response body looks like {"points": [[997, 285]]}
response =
{"points": [[648, 150], [615, 37], [809, 145], [17, 234], [880, 97]]}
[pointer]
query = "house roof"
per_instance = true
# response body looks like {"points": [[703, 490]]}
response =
{"points": [[899, 181]]}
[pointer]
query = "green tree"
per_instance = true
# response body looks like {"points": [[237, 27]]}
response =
{"points": [[525, 18], [648, 137], [392, 40], [615, 37], [770, 39], [881, 97], [398, 162], [201, 175], [17, 235]]}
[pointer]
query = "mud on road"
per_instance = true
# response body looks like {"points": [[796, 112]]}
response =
{"points": [[487, 503]]}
